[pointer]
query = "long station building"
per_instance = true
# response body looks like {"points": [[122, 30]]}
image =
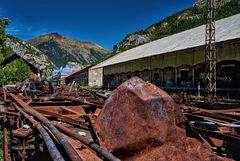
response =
{"points": [[177, 60]]}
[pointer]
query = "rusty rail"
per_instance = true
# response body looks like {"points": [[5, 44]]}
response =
{"points": [[103, 152], [10, 113], [83, 101], [52, 149], [5, 141], [64, 142]]}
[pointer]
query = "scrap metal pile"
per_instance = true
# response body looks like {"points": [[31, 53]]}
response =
{"points": [[55, 126], [138, 121], [220, 128]]}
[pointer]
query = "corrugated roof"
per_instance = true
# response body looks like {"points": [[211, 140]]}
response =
{"points": [[226, 29]]}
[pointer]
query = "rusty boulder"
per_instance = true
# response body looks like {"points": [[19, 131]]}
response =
{"points": [[139, 121]]}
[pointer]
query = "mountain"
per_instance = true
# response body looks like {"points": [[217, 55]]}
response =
{"points": [[62, 50], [181, 21], [30, 53]]}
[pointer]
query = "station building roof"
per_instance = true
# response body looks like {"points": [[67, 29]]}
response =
{"points": [[226, 29]]}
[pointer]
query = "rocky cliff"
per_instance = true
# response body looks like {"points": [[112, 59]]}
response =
{"points": [[30, 53]]}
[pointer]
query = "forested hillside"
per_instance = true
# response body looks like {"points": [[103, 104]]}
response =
{"points": [[181, 21]]}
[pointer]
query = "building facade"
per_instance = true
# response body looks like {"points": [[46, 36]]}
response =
{"points": [[183, 68], [177, 60], [81, 77]]}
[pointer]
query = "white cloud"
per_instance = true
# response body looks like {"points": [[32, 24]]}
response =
{"points": [[23, 31], [12, 30]]}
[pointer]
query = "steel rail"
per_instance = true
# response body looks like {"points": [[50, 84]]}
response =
{"points": [[5, 141], [73, 155], [81, 101], [224, 124], [214, 134], [60, 117], [218, 116], [10, 113], [52, 149], [197, 117], [103, 152]]}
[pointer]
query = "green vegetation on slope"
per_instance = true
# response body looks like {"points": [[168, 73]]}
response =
{"points": [[4, 50], [62, 50], [181, 21], [57, 55]]}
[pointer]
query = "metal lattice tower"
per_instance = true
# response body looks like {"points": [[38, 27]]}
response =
{"points": [[211, 74]]}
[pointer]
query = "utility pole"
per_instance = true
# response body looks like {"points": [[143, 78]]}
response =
{"points": [[210, 60]]}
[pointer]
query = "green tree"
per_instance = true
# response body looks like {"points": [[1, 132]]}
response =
{"points": [[1, 58], [3, 49], [16, 71]]}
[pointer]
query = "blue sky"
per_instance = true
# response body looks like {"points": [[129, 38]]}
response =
{"points": [[104, 22]]}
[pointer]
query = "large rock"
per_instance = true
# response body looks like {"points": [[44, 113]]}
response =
{"points": [[139, 121]]}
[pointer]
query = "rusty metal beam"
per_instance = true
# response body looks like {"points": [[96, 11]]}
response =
{"points": [[101, 151], [219, 117], [5, 96], [52, 149], [5, 141], [59, 116], [199, 117], [73, 155], [10, 113], [214, 134], [82, 101], [92, 131]]}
